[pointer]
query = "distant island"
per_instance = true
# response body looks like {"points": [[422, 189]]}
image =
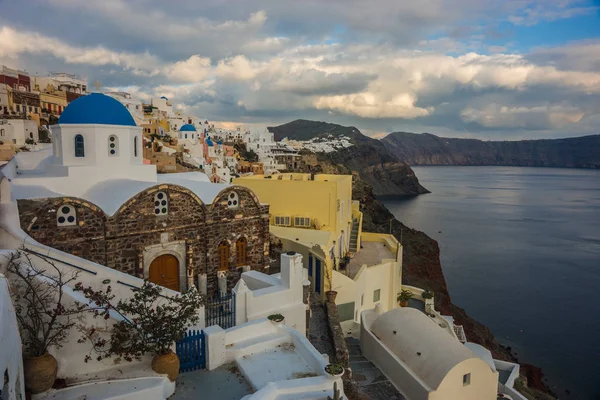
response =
{"points": [[428, 149]]}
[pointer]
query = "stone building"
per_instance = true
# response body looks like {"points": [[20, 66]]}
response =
{"points": [[93, 197]]}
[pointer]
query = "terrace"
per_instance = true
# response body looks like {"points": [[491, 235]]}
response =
{"points": [[371, 253]]}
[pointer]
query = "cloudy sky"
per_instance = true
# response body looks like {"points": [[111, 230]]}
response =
{"points": [[471, 68]]}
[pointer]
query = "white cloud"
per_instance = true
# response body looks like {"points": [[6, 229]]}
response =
{"points": [[194, 69]]}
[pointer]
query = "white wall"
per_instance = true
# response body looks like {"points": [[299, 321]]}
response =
{"points": [[382, 276], [11, 359], [270, 295], [16, 131]]}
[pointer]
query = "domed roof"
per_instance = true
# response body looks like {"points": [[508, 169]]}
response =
{"points": [[209, 142], [187, 128], [428, 350], [219, 141], [96, 108], [163, 97]]}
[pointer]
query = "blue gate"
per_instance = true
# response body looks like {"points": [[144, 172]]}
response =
{"points": [[221, 311], [191, 351]]}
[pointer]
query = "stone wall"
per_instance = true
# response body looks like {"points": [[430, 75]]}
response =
{"points": [[191, 231]]}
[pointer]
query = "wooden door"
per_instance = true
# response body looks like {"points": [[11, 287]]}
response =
{"points": [[164, 271]]}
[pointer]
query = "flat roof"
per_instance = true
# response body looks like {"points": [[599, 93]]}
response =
{"points": [[297, 177]]}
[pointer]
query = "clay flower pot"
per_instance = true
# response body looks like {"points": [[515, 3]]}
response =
{"points": [[404, 303], [331, 295], [40, 373], [166, 364]]}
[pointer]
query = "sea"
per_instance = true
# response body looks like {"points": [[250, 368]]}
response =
{"points": [[520, 250]]}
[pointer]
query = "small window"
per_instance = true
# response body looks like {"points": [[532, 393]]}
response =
{"points": [[233, 200], [79, 146], [241, 246], [1, 132], [135, 146], [31, 135], [113, 145], [186, 135], [66, 216], [362, 299], [376, 295], [223, 256], [466, 379], [161, 203]]}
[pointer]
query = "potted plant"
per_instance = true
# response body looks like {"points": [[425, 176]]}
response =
{"points": [[147, 323], [334, 370], [404, 296], [427, 294], [43, 316], [276, 318]]}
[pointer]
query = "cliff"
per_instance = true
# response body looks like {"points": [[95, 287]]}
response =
{"points": [[369, 158], [428, 149]]}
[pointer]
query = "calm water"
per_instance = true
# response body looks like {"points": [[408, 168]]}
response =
{"points": [[520, 249]]}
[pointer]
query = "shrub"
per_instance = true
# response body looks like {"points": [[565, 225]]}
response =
{"points": [[44, 319], [148, 322], [404, 295], [427, 294]]}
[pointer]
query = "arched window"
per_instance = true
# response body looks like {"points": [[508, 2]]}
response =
{"points": [[223, 256], [113, 145], [79, 146], [241, 251], [135, 146], [31, 135], [161, 203], [1, 132], [66, 216]]}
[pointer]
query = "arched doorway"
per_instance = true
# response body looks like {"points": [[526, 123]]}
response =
{"points": [[164, 271]]}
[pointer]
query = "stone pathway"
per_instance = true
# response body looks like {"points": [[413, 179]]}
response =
{"points": [[318, 333], [371, 380]]}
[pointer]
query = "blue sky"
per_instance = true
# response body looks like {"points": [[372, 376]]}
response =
{"points": [[469, 68]]}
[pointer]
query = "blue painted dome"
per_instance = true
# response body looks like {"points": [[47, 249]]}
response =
{"points": [[187, 128], [209, 142], [96, 108], [163, 97], [219, 141]]}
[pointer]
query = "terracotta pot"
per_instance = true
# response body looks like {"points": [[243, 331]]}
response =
{"points": [[40, 373], [331, 295], [166, 364], [404, 303]]}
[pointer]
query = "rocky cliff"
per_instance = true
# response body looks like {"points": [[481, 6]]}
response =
{"points": [[428, 149], [369, 158]]}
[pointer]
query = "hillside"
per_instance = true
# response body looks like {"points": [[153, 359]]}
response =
{"points": [[428, 149], [369, 158]]}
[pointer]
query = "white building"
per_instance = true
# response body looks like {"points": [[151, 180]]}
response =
{"points": [[17, 131], [422, 360], [61, 81]]}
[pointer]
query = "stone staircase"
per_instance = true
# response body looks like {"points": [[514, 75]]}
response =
{"points": [[354, 236], [372, 382]]}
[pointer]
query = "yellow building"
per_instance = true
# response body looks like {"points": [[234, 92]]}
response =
{"points": [[315, 216], [53, 101]]}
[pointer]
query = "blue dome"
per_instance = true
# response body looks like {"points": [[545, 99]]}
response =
{"points": [[219, 141], [209, 142], [163, 97], [96, 108], [187, 128]]}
